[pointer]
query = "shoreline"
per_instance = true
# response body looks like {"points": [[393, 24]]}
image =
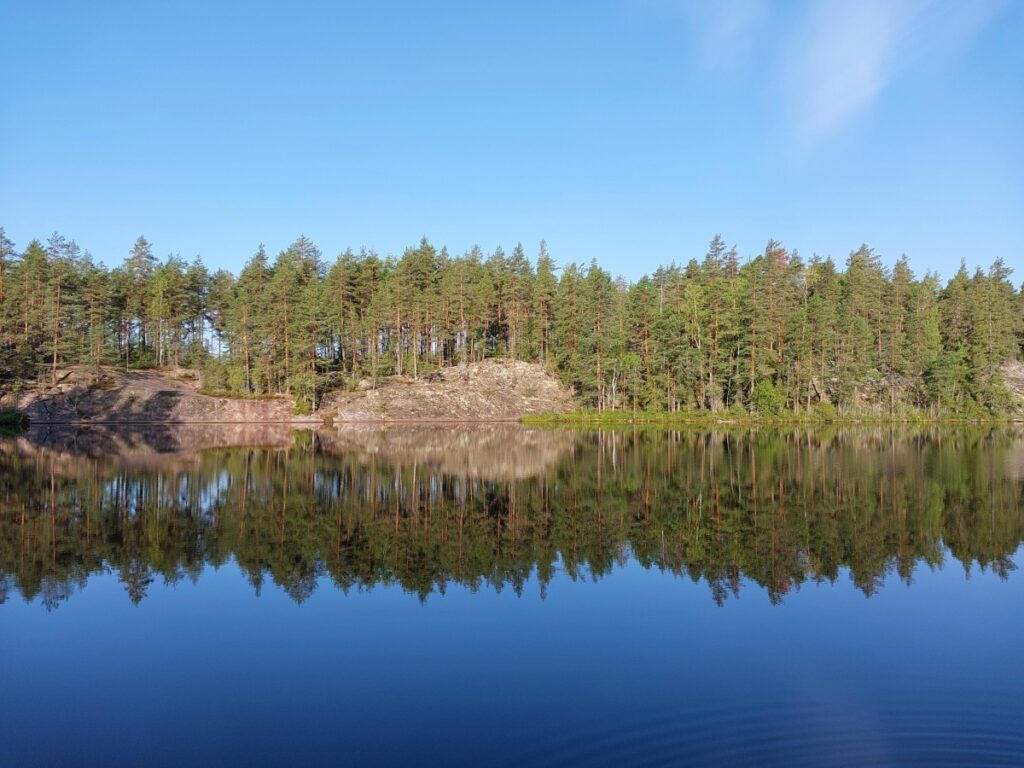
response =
{"points": [[566, 420], [559, 420], [498, 391]]}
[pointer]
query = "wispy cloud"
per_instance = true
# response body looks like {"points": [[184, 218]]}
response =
{"points": [[730, 22], [830, 59], [724, 31], [845, 52]]}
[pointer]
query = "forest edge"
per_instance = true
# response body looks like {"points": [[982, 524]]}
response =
{"points": [[492, 390]]}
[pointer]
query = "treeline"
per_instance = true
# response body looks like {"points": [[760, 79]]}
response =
{"points": [[728, 509], [764, 335]]}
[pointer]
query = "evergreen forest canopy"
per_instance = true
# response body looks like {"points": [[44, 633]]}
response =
{"points": [[766, 335]]}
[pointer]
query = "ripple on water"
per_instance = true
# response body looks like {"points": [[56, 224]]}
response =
{"points": [[783, 732]]}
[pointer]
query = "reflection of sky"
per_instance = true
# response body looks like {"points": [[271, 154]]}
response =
{"points": [[639, 663]]}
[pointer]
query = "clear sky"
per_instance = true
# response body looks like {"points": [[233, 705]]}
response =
{"points": [[630, 131]]}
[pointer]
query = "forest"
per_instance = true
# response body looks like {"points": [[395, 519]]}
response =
{"points": [[768, 335]]}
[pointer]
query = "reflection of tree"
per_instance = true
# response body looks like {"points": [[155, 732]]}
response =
{"points": [[136, 577], [776, 509]]}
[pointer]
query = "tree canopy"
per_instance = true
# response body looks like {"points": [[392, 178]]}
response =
{"points": [[765, 334]]}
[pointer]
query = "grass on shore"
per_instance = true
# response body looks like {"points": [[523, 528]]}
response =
{"points": [[707, 418], [229, 394]]}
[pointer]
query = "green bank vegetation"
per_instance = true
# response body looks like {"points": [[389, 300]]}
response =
{"points": [[820, 414], [12, 418], [770, 335]]}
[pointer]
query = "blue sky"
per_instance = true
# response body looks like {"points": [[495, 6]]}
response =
{"points": [[630, 131]]}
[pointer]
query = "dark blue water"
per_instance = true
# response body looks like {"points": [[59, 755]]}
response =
{"points": [[602, 660]]}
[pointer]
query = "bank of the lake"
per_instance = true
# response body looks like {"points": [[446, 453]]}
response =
{"points": [[498, 389], [12, 418], [590, 418], [491, 390]]}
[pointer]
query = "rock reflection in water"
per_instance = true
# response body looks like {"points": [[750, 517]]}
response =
{"points": [[485, 452], [424, 507]]}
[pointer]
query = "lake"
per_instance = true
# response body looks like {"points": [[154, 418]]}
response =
{"points": [[504, 596]]}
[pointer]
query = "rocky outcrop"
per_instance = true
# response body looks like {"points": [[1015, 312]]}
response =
{"points": [[492, 390], [1013, 377], [105, 395]]}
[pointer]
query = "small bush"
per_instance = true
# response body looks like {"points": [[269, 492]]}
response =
{"points": [[215, 378], [236, 379], [737, 410], [768, 401], [13, 418], [825, 411], [972, 410]]}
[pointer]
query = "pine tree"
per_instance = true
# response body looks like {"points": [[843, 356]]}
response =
{"points": [[139, 269], [542, 308], [772, 333]]}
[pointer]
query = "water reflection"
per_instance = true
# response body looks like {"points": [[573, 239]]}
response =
{"points": [[426, 507]]}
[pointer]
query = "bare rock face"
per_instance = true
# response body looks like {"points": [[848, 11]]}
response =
{"points": [[106, 395], [492, 390], [1013, 377]]}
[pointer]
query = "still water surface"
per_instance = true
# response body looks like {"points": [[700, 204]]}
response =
{"points": [[505, 596]]}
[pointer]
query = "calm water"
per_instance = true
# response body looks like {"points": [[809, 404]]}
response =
{"points": [[502, 596]]}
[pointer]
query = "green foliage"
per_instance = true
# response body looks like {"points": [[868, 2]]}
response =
{"points": [[304, 390], [215, 377], [767, 400], [825, 411], [945, 378], [12, 418], [772, 334]]}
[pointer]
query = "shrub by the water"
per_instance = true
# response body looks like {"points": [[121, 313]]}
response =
{"points": [[13, 418], [768, 401]]}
